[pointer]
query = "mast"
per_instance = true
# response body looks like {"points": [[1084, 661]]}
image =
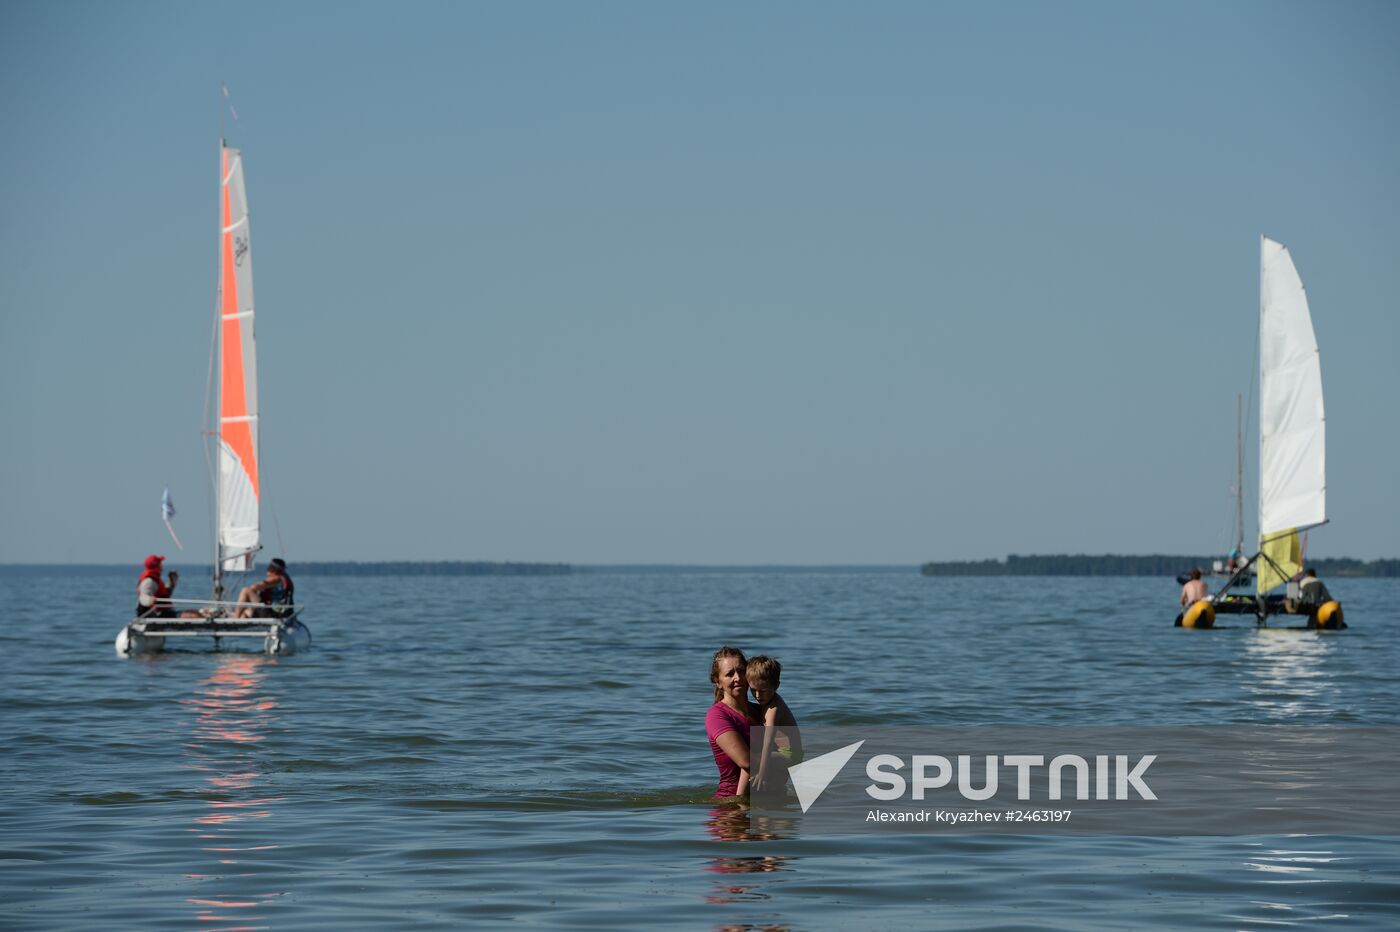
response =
{"points": [[1239, 477], [1263, 307], [213, 426]]}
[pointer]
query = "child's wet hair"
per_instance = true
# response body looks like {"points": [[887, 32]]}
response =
{"points": [[763, 671]]}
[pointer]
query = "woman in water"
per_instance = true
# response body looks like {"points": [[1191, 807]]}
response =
{"points": [[727, 723]]}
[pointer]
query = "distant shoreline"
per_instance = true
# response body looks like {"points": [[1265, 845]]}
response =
{"points": [[1014, 565], [1112, 564], [459, 568], [309, 568]]}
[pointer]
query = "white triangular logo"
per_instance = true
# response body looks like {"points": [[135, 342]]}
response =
{"points": [[811, 777]]}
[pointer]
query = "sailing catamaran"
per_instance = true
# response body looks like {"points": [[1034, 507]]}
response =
{"points": [[236, 485], [1292, 456]]}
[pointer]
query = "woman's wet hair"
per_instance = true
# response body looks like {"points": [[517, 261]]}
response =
{"points": [[721, 654], [764, 669]]}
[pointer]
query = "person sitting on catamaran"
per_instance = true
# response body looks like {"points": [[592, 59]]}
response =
{"points": [[1312, 594], [269, 598], [1194, 590], [152, 593]]}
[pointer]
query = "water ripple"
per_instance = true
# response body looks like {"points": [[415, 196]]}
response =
{"points": [[532, 750]]}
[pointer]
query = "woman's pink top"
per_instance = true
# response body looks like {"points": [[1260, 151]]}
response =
{"points": [[718, 720]]}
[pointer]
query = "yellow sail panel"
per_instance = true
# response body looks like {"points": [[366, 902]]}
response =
{"points": [[1286, 554]]}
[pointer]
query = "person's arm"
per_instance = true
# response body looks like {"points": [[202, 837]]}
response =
{"points": [[793, 734], [145, 589], [737, 749], [770, 722]]}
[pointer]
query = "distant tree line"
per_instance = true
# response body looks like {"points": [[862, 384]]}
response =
{"points": [[435, 568], [1346, 566], [1112, 564]]}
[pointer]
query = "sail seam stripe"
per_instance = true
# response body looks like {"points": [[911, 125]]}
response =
{"points": [[238, 419], [238, 316]]}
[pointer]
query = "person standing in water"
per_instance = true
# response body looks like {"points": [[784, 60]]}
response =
{"points": [[782, 742], [729, 720]]}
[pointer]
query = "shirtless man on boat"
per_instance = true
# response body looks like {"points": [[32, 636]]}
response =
{"points": [[1194, 590]]}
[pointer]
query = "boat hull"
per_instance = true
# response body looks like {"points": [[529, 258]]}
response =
{"points": [[1327, 617], [132, 642], [289, 637], [279, 637]]}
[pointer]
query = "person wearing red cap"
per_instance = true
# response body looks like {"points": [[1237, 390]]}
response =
{"points": [[152, 593]]}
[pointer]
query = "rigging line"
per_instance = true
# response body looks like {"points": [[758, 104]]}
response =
{"points": [[213, 499], [227, 101], [272, 510], [1250, 411], [266, 497], [277, 526], [209, 378], [1223, 534]]}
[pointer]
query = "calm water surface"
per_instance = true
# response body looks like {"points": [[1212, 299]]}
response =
{"points": [[532, 751]]}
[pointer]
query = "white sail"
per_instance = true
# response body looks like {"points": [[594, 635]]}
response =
{"points": [[1292, 449], [238, 378]]}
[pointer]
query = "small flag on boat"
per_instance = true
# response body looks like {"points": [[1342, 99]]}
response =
{"points": [[230, 102], [167, 511]]}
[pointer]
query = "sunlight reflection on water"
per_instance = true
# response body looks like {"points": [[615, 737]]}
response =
{"points": [[230, 718]]}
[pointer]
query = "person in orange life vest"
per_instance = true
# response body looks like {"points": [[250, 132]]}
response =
{"points": [[152, 593]]}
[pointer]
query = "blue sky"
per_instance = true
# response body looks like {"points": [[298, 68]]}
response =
{"points": [[719, 283]]}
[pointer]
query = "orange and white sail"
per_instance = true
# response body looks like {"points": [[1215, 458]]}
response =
{"points": [[237, 535]]}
